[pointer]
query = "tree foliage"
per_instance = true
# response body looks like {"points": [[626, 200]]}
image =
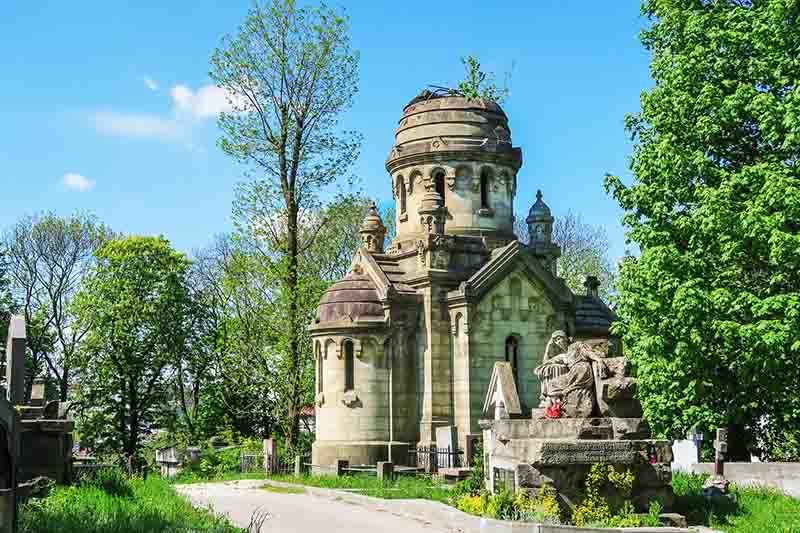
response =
{"points": [[584, 252], [711, 307], [480, 85], [291, 74], [48, 258], [137, 311]]}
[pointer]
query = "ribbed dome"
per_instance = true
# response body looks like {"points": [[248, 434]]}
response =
{"points": [[539, 210], [353, 297], [438, 124]]}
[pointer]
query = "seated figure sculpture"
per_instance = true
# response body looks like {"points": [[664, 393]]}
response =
{"points": [[568, 378]]}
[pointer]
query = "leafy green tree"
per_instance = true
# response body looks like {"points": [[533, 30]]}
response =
{"points": [[7, 306], [711, 308], [290, 74], [137, 311], [49, 256]]}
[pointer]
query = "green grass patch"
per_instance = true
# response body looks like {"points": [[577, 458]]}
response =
{"points": [[402, 487], [190, 478], [112, 503], [283, 490], [750, 510]]}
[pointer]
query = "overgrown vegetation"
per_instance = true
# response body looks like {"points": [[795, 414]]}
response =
{"points": [[110, 502], [749, 509], [480, 85]]}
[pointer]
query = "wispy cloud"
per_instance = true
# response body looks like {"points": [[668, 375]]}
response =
{"points": [[208, 101], [77, 182], [150, 83], [189, 108], [137, 125]]}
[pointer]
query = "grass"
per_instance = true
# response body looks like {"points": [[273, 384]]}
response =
{"points": [[402, 487], [752, 509], [112, 503], [283, 490], [189, 478]]}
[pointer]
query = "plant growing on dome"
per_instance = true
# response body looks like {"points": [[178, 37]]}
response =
{"points": [[480, 85]]}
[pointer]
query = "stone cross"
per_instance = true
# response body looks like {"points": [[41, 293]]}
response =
{"points": [[721, 448], [15, 361]]}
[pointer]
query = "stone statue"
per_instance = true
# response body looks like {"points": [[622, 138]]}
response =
{"points": [[568, 378], [558, 344]]}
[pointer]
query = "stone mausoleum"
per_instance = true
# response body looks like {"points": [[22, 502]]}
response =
{"points": [[407, 342]]}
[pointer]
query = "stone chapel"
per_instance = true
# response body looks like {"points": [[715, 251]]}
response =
{"points": [[407, 341]]}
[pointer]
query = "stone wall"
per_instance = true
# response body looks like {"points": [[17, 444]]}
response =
{"points": [[514, 307], [782, 476]]}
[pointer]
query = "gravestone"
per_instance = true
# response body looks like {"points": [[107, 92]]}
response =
{"points": [[15, 361], [446, 438]]}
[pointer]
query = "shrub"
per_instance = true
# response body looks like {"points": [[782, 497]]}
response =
{"points": [[595, 507], [542, 507]]}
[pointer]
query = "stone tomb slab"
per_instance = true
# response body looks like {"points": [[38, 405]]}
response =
{"points": [[582, 452]]}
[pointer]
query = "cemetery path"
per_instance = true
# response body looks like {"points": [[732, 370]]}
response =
{"points": [[326, 511]]}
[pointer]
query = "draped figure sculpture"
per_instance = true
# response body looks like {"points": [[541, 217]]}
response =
{"points": [[567, 377]]}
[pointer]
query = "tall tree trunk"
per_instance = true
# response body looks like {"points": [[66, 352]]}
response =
{"points": [[294, 344]]}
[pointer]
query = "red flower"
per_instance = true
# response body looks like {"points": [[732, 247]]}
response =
{"points": [[553, 410]]}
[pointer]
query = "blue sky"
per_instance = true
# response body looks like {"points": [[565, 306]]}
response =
{"points": [[108, 108]]}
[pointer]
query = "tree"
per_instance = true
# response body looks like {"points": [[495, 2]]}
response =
{"points": [[711, 308], [137, 311], [7, 307], [291, 74], [479, 85], [584, 252], [49, 257]]}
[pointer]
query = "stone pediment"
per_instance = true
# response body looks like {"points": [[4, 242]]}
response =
{"points": [[502, 388], [515, 256]]}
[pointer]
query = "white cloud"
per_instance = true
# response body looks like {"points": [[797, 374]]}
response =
{"points": [[136, 125], [208, 101], [77, 182], [150, 83]]}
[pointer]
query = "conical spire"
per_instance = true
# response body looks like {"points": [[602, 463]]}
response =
{"points": [[373, 232]]}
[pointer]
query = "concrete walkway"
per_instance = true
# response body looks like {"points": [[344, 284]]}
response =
{"points": [[332, 511]]}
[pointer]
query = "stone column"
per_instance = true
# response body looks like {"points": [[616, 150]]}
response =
{"points": [[15, 361], [385, 471]]}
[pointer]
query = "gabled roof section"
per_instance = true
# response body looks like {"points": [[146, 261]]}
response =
{"points": [[502, 388], [504, 261]]}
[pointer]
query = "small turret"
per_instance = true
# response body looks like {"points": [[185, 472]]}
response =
{"points": [[540, 222], [540, 232], [373, 232]]}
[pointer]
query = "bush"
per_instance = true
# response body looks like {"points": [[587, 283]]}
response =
{"points": [[542, 507], [595, 508]]}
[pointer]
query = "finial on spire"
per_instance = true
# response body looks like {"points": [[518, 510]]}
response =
{"points": [[539, 194], [373, 232]]}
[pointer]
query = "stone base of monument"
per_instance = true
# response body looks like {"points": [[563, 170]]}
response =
{"points": [[522, 454], [564, 462]]}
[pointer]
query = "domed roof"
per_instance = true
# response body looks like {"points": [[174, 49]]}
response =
{"points": [[434, 124], [354, 297], [539, 210]]}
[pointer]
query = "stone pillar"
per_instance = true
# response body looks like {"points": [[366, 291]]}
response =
{"points": [[15, 361], [341, 467], [298, 466], [385, 471], [436, 400], [270, 455]]}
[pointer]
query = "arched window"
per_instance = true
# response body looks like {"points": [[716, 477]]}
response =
{"points": [[349, 382], [438, 184], [402, 195], [512, 354], [485, 189], [320, 371]]}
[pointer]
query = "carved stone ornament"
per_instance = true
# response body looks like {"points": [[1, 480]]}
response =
{"points": [[450, 179], [350, 398], [421, 249]]}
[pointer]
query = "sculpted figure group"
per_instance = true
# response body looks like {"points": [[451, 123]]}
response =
{"points": [[568, 377]]}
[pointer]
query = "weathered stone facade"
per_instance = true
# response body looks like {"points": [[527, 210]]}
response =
{"points": [[407, 341]]}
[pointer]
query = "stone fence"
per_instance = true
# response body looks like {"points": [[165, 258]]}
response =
{"points": [[782, 476]]}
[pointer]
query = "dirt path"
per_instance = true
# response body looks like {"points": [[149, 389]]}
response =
{"points": [[322, 511]]}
